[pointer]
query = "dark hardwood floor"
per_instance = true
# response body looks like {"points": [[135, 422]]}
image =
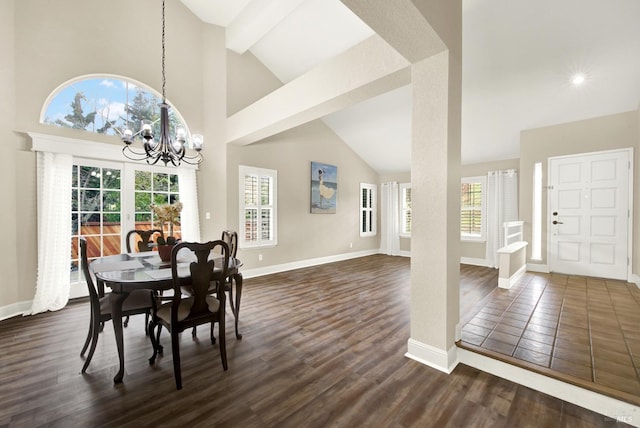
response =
{"points": [[321, 347]]}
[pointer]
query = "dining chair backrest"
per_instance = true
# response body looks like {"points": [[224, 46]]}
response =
{"points": [[145, 236], [231, 238], [202, 270], [84, 262]]}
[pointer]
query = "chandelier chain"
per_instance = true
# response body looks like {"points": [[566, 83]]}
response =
{"points": [[164, 79]]}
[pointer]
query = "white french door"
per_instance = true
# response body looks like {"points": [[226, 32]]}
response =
{"points": [[109, 199], [589, 212]]}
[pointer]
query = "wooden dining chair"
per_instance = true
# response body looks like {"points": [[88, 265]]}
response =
{"points": [[138, 302], [200, 307], [231, 238], [142, 246], [145, 239]]}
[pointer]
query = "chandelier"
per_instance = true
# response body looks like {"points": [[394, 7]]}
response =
{"points": [[168, 150]]}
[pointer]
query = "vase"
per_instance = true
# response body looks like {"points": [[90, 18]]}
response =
{"points": [[164, 251]]}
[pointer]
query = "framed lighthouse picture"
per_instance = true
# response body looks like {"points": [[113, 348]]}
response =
{"points": [[324, 188]]}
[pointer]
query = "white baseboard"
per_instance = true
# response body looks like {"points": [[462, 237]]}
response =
{"points": [[14, 309], [537, 267], [445, 361], [508, 282], [475, 262], [636, 280], [251, 273], [405, 253], [610, 407]]}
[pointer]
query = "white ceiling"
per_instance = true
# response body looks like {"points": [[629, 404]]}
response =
{"points": [[518, 59]]}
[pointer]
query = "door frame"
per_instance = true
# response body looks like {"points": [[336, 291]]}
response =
{"points": [[630, 215]]}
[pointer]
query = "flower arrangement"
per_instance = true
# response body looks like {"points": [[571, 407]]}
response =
{"points": [[168, 213]]}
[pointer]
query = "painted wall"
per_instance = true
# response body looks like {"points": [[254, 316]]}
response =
{"points": [[471, 251], [592, 135], [8, 215], [301, 235]]}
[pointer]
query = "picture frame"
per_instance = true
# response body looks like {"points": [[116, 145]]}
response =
{"points": [[324, 188]]}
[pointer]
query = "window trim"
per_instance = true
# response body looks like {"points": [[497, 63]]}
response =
{"points": [[87, 149], [482, 237], [244, 170], [404, 210], [373, 227]]}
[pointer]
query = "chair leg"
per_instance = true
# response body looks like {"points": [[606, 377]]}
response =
{"points": [[92, 349], [146, 324], [126, 321], [154, 340], [194, 332], [86, 342], [175, 347], [223, 342]]}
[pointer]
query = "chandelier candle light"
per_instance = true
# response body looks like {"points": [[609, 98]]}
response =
{"points": [[169, 151]]}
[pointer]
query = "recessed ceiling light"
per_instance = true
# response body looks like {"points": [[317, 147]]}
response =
{"points": [[578, 79]]}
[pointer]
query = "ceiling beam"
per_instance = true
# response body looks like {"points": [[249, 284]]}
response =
{"points": [[368, 69], [401, 24], [255, 21]]}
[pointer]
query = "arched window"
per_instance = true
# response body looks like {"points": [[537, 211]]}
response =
{"points": [[106, 105]]}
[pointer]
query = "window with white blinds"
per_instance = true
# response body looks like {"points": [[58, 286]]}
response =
{"points": [[472, 208], [405, 209], [258, 207], [368, 217]]}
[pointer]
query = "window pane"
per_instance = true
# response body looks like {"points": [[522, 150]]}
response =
{"points": [[89, 224], [173, 183], [74, 176], [265, 191], [265, 225], [250, 190], [111, 201], [106, 105], [251, 225], [74, 223], [111, 224], [143, 180], [90, 200], [111, 178], [89, 177], [160, 182], [160, 198], [143, 201], [74, 199], [471, 221]]}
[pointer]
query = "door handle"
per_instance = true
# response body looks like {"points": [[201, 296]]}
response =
{"points": [[557, 222]]}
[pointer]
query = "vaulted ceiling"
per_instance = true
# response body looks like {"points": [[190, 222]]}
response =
{"points": [[518, 61]]}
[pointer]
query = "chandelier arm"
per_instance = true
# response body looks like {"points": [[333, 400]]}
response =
{"points": [[140, 156]]}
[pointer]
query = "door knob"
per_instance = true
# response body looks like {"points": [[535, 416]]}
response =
{"points": [[557, 222]]}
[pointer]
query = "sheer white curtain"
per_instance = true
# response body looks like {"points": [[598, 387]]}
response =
{"points": [[189, 220], [54, 230], [389, 204], [501, 205]]}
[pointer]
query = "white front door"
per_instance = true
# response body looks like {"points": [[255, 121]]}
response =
{"points": [[589, 214]]}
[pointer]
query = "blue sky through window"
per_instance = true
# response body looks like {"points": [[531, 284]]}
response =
{"points": [[107, 97]]}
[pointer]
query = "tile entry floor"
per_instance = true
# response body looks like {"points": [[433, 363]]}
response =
{"points": [[581, 330]]}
